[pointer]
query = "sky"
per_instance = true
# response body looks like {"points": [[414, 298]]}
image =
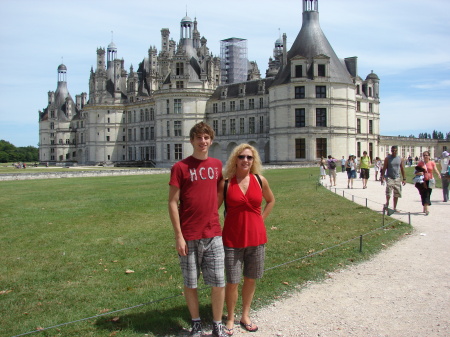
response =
{"points": [[405, 42]]}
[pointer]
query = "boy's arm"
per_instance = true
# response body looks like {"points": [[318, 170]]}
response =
{"points": [[180, 243]]}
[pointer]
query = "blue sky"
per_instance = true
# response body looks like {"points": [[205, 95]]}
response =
{"points": [[405, 42]]}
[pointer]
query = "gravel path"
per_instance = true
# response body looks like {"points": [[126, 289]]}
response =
{"points": [[403, 291]]}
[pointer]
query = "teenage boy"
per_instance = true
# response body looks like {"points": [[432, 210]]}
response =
{"points": [[195, 219]]}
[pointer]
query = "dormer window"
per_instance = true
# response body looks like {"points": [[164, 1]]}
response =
{"points": [[179, 71], [298, 71], [321, 70]]}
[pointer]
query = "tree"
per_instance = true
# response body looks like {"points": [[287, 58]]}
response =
{"points": [[10, 153]]}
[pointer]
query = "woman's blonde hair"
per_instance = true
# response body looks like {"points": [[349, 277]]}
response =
{"points": [[230, 167]]}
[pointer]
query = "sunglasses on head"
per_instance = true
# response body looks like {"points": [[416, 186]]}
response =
{"points": [[241, 157]]}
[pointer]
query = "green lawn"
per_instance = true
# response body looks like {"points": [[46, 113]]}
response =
{"points": [[66, 246]]}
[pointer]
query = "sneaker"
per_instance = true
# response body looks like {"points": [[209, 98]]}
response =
{"points": [[196, 330], [218, 330]]}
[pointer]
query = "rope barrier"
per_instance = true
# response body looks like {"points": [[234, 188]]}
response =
{"points": [[204, 288]]}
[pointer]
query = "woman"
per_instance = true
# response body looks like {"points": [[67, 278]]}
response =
{"points": [[378, 166], [351, 170], [244, 234], [322, 164], [425, 190]]}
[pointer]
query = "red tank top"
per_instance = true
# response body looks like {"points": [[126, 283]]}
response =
{"points": [[244, 225]]}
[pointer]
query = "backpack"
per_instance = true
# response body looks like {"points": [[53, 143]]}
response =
{"points": [[332, 164], [225, 188]]}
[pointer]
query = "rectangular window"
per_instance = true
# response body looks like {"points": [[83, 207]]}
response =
{"points": [[168, 151], [371, 126], [129, 135], [179, 68], [300, 148], [152, 114], [152, 133], [321, 117], [241, 126], [179, 84], [232, 105], [358, 149], [215, 108], [232, 126], [241, 105], [300, 118], [224, 107], [370, 107], [147, 115], [261, 102], [142, 134], [358, 125], [152, 152], [261, 124], [167, 107], [224, 127], [177, 106], [251, 125], [298, 71], [142, 115], [107, 138], [177, 128], [321, 147], [300, 92], [168, 128], [216, 126], [358, 106], [321, 70], [251, 103], [321, 91], [147, 133], [178, 151]]}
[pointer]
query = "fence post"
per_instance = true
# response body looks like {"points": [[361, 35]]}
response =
{"points": [[366, 202], [360, 243]]}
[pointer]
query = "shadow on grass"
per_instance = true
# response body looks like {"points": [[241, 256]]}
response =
{"points": [[165, 322]]}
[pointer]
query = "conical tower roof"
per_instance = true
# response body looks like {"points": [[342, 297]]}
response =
{"points": [[311, 42]]}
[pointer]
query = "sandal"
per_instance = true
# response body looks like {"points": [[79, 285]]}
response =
{"points": [[229, 332], [249, 327]]}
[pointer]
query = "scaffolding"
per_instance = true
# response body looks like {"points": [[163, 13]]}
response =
{"points": [[233, 60]]}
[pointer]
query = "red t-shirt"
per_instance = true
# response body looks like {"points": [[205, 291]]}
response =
{"points": [[244, 225], [198, 181]]}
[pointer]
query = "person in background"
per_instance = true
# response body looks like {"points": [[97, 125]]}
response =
{"points": [[322, 165], [194, 215], [351, 170], [445, 177], [392, 167], [244, 233], [343, 163], [364, 166], [331, 165], [425, 193], [378, 166]]}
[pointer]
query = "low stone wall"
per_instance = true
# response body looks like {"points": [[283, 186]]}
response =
{"points": [[71, 173]]}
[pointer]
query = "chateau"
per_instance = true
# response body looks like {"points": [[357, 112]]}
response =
{"points": [[310, 104]]}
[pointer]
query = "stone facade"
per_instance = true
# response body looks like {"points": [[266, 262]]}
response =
{"points": [[310, 104]]}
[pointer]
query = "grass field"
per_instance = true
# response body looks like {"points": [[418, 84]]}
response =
{"points": [[68, 246]]}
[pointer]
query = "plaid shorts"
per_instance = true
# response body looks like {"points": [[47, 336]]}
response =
{"points": [[394, 185], [208, 256], [251, 257]]}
